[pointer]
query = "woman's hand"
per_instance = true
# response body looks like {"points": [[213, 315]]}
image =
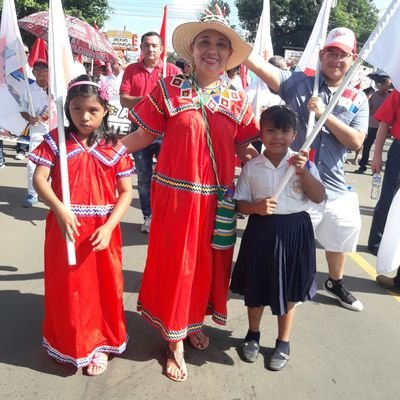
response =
{"points": [[217, 11], [101, 238]]}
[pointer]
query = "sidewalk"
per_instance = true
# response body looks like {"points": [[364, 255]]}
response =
{"points": [[335, 353]]}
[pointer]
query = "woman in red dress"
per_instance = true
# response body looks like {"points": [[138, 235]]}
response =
{"points": [[84, 315], [185, 278]]}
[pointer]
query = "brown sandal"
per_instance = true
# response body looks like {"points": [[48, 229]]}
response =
{"points": [[199, 341], [176, 357]]}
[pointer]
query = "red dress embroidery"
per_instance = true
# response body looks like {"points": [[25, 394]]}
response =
{"points": [[185, 278], [83, 303]]}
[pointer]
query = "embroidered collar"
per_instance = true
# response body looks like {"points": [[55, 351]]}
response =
{"points": [[180, 95]]}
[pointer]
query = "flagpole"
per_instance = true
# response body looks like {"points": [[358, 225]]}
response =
{"points": [[321, 121], [61, 142], [320, 44], [363, 55]]}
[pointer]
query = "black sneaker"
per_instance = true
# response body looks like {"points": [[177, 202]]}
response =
{"points": [[346, 299], [360, 170]]}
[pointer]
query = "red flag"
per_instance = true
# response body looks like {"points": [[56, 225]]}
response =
{"points": [[95, 26], [39, 50], [163, 34]]}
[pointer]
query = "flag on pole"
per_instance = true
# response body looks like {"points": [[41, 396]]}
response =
{"points": [[12, 76], [385, 34], [258, 92], [382, 52], [309, 59], [60, 73], [263, 43], [163, 34], [60, 58]]}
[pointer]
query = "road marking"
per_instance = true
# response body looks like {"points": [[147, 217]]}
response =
{"points": [[370, 270]]}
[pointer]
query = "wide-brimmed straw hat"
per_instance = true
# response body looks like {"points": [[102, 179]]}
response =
{"points": [[185, 34]]}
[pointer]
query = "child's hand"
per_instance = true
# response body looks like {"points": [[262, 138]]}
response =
{"points": [[265, 206], [299, 161], [68, 223], [101, 238]]}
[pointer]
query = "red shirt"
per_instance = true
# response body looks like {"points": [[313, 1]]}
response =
{"points": [[389, 112], [138, 81]]}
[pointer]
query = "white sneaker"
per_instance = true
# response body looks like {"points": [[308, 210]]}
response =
{"points": [[20, 156], [146, 225]]}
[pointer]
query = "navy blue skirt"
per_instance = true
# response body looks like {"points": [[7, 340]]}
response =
{"points": [[276, 262]]}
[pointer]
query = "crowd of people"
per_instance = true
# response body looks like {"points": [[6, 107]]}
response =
{"points": [[195, 121]]}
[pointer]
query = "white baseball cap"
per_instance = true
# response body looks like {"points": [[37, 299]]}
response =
{"points": [[343, 38]]}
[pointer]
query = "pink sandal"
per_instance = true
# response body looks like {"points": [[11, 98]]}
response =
{"points": [[100, 362]]}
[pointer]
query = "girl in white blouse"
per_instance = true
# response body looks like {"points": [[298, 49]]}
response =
{"points": [[276, 263]]}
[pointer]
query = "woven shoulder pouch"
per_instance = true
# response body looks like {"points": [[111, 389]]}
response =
{"points": [[224, 234]]}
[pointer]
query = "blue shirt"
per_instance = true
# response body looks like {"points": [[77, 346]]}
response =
{"points": [[352, 108]]}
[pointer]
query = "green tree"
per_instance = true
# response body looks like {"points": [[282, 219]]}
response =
{"points": [[292, 20], [91, 11]]}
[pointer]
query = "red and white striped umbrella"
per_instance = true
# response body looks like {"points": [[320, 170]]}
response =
{"points": [[84, 38]]}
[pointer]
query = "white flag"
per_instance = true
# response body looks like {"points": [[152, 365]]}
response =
{"points": [[12, 78], [382, 47], [61, 62], [258, 92], [309, 59], [263, 44]]}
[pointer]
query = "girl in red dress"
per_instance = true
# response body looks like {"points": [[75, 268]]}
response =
{"points": [[185, 278], [84, 316]]}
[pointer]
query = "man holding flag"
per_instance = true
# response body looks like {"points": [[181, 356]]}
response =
{"points": [[337, 221], [138, 80]]}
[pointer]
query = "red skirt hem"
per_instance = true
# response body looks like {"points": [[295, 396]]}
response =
{"points": [[181, 334], [84, 361]]}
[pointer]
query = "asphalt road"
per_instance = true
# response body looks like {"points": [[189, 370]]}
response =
{"points": [[335, 353]]}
